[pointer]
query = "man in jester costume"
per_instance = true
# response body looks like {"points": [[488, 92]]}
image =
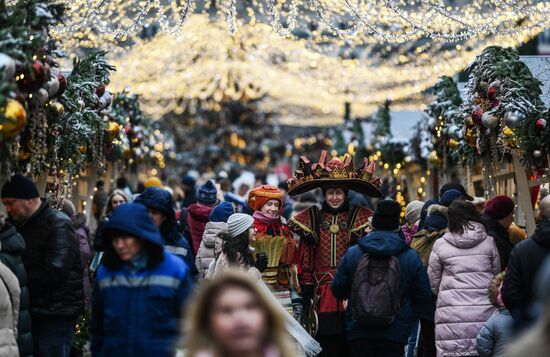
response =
{"points": [[325, 235]]}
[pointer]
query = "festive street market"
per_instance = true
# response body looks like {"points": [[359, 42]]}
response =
{"points": [[274, 178]]}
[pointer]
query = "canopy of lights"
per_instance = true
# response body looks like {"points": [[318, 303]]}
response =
{"points": [[302, 58]]}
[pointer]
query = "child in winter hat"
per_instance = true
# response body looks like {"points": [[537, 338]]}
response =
{"points": [[412, 216], [497, 333], [207, 193]]}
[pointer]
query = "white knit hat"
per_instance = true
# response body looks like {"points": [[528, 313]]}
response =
{"points": [[238, 223]]}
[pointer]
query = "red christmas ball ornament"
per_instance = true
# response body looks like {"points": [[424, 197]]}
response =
{"points": [[100, 90], [62, 84], [540, 123], [32, 81], [477, 114]]}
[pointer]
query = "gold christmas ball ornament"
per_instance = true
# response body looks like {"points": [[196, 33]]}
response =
{"points": [[433, 158], [113, 129], [507, 132], [83, 149], [57, 108], [16, 117], [453, 144]]}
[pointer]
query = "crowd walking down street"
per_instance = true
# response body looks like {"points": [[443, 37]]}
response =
{"points": [[202, 276]]}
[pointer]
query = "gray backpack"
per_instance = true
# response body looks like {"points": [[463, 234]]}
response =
{"points": [[376, 292]]}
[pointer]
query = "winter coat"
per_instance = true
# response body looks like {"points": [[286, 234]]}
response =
{"points": [[9, 311], [502, 240], [52, 261], [495, 335], [12, 246], [415, 286], [97, 243], [82, 232], [197, 218], [223, 264], [211, 246], [423, 243], [135, 311], [525, 260], [461, 269]]}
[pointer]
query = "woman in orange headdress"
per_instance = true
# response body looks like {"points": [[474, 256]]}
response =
{"points": [[275, 239]]}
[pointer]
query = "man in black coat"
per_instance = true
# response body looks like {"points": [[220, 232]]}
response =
{"points": [[12, 246], [52, 262], [525, 260]]}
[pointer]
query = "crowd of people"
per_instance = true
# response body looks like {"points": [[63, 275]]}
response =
{"points": [[219, 268]]}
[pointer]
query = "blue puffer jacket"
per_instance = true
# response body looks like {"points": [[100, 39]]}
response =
{"points": [[417, 296], [174, 242], [135, 311]]}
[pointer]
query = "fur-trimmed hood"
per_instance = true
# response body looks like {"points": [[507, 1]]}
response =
{"points": [[438, 209]]}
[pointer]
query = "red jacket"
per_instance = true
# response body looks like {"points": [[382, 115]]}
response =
{"points": [[197, 217]]}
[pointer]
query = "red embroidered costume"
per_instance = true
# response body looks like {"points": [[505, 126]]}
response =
{"points": [[326, 233]]}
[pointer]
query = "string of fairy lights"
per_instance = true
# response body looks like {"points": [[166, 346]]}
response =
{"points": [[294, 79], [394, 21]]}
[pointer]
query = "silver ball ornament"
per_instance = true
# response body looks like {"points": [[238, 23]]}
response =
{"points": [[537, 153], [513, 119], [7, 67]]}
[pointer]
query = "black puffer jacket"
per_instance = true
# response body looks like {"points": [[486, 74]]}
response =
{"points": [[501, 236], [12, 246], [52, 261], [525, 261]]}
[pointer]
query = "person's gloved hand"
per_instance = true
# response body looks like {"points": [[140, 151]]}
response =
{"points": [[261, 262]]}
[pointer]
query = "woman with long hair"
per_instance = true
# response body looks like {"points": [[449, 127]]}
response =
{"points": [[116, 198], [462, 265], [233, 317], [237, 251]]}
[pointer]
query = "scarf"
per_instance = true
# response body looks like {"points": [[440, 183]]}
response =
{"points": [[265, 219]]}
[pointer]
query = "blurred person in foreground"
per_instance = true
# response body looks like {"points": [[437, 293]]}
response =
{"points": [[140, 289], [232, 317]]}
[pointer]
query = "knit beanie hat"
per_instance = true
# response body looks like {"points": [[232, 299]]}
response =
{"points": [[386, 216], [449, 196], [21, 187], [436, 221], [221, 212], [499, 207], [152, 181], [260, 195], [412, 211], [455, 186], [207, 193], [239, 223]]}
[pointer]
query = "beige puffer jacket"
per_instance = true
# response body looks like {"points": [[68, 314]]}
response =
{"points": [[211, 246], [9, 312]]}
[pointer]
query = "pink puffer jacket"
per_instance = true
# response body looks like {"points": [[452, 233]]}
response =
{"points": [[461, 268]]}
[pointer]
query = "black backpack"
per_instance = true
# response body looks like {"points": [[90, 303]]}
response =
{"points": [[376, 292]]}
